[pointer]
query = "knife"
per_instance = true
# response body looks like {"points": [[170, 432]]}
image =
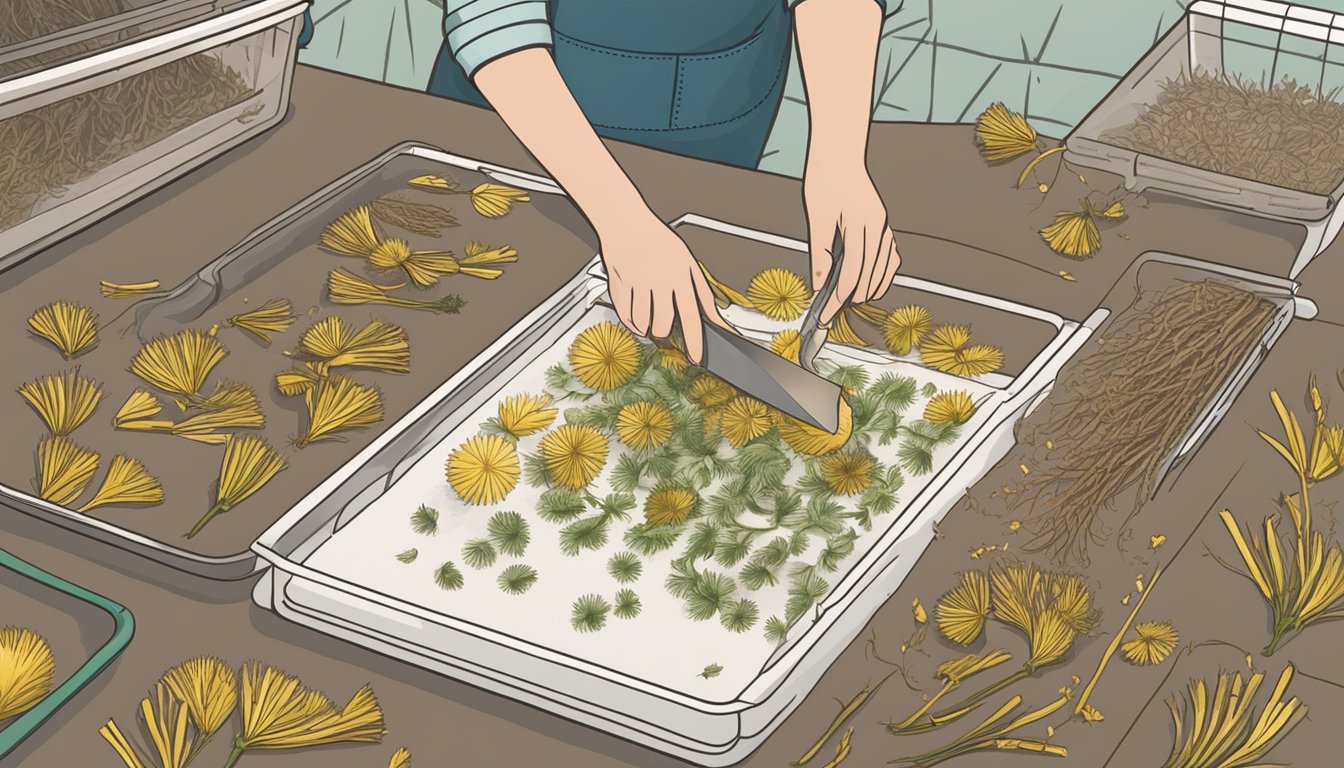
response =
{"points": [[812, 334]]}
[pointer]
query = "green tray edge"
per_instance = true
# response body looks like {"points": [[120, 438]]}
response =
{"points": [[124, 629]]}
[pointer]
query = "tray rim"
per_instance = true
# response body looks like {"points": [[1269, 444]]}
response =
{"points": [[269, 545], [123, 623]]}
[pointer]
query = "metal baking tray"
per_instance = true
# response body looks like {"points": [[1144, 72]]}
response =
{"points": [[708, 723], [86, 631], [1255, 40], [279, 259]]}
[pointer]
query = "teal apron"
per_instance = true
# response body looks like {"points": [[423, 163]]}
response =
{"points": [[695, 77]]}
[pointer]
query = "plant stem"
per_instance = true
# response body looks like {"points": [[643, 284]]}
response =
{"points": [[941, 718], [235, 754], [1115, 643], [215, 510]]}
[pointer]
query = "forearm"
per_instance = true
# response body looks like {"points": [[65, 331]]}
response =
{"points": [[837, 52], [526, 90]]}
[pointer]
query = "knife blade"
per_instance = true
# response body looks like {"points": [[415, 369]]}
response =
{"points": [[812, 334]]}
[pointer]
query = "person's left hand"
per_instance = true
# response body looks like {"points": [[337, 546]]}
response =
{"points": [[844, 195]]}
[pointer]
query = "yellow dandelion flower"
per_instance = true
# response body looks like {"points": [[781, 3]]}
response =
{"points": [[63, 401], [400, 759], [495, 200], [523, 415], [672, 356], [786, 344], [1004, 134], [961, 613], [604, 356], [352, 234], [644, 425], [64, 469], [903, 328], [208, 687], [947, 348], [950, 408], [179, 364], [744, 419], [778, 294], [71, 328], [278, 712], [1153, 642], [710, 392], [670, 505], [842, 332], [483, 470], [574, 455], [847, 474], [1050, 638], [808, 440], [1075, 234], [27, 670]]}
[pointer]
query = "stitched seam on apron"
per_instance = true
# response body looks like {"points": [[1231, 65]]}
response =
{"points": [[681, 70], [611, 51], [768, 92]]}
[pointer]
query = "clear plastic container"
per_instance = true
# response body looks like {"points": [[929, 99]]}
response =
{"points": [[1230, 53], [85, 137]]}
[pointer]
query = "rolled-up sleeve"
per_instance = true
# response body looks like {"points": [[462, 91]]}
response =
{"points": [[481, 30], [888, 6]]}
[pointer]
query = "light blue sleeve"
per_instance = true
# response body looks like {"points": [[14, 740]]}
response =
{"points": [[888, 6], [478, 31]]}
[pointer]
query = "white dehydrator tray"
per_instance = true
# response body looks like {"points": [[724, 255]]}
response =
{"points": [[257, 43], [1260, 41], [334, 568]]}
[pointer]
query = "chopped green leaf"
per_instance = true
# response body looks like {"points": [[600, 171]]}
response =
{"points": [[627, 604], [739, 615], [409, 555], [479, 553], [448, 577], [509, 532], [588, 533], [625, 567], [589, 613], [425, 520], [711, 671], [517, 578], [560, 505]]}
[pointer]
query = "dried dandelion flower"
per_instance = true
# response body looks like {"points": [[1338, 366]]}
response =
{"points": [[1050, 637], [744, 419], [710, 392], [27, 670], [950, 408], [1224, 730], [847, 474], [644, 425], [420, 218], [209, 689], [72, 328], [379, 346], [811, 441], [142, 290], [400, 759], [338, 403], [424, 268], [1072, 600], [63, 401], [523, 415], [275, 316], [127, 482], [483, 470], [479, 258], [495, 200], [279, 713], [604, 356], [1004, 134], [139, 406], [1153, 642], [345, 287], [1075, 233], [179, 364], [232, 406], [904, 327], [787, 344], [64, 469], [434, 183], [249, 463], [961, 613], [166, 718], [672, 356], [778, 294], [574, 455], [352, 234], [947, 348], [296, 381], [670, 505]]}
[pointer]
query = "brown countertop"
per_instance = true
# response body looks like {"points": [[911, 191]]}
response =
{"points": [[934, 183]]}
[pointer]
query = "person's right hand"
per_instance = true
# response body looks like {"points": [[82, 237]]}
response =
{"points": [[654, 280]]}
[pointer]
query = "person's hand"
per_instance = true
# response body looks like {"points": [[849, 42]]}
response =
{"points": [[840, 195], [654, 280]]}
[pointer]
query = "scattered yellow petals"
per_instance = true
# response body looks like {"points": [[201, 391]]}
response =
{"points": [[1091, 714], [1015, 526], [1156, 541], [1125, 600], [1024, 469], [921, 616], [1076, 680], [1049, 445], [1043, 187], [111, 290], [1067, 276]]}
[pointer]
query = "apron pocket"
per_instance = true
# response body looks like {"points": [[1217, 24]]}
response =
{"points": [[615, 88], [717, 88]]}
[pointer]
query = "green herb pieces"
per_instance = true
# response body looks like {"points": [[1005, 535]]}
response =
{"points": [[409, 555], [517, 578], [589, 613], [425, 520], [625, 567], [479, 553], [509, 532], [448, 577], [627, 604]]}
